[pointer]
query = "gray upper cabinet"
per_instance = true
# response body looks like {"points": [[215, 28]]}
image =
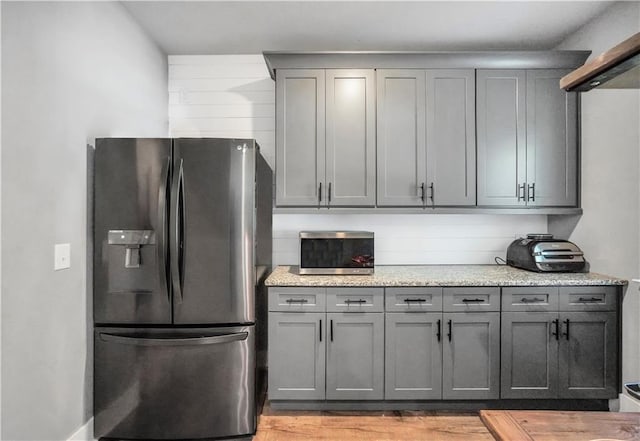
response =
{"points": [[451, 137], [325, 137], [501, 135], [552, 153], [355, 356], [300, 142], [401, 130], [426, 137], [527, 139]]}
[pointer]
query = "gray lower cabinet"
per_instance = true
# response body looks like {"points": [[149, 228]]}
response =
{"points": [[413, 356], [527, 139], [471, 355], [325, 137], [551, 354], [297, 355], [355, 356]]}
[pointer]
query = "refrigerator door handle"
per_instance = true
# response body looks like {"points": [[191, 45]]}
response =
{"points": [[162, 227], [175, 232], [180, 341]]}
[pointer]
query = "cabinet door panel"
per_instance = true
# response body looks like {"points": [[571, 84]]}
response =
{"points": [[471, 356], [501, 136], [401, 136], [588, 355], [529, 355], [551, 140], [355, 356], [350, 139], [451, 137], [300, 143], [297, 356], [413, 356]]}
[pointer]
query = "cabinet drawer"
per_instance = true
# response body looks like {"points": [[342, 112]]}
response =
{"points": [[588, 298], [413, 299], [471, 299], [531, 299], [355, 299], [297, 299]]}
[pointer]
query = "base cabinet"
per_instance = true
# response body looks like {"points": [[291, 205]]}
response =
{"points": [[296, 356], [355, 356], [559, 354], [413, 356]]}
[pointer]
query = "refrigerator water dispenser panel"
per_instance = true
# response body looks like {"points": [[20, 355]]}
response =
{"points": [[132, 240]]}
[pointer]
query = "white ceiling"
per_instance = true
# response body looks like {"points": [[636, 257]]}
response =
{"points": [[243, 27]]}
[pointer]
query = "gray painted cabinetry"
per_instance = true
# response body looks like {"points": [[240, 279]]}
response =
{"points": [[527, 139], [325, 137], [559, 342], [426, 137], [450, 343]]}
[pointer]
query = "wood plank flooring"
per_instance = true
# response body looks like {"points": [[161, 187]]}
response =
{"points": [[279, 425]]}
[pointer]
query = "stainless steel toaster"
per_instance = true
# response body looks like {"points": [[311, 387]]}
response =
{"points": [[543, 253]]}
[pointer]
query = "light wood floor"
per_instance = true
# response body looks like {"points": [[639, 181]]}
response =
{"points": [[370, 426]]}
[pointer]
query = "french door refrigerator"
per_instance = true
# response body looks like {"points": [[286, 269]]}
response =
{"points": [[182, 229]]}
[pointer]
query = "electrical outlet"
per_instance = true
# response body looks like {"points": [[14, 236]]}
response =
{"points": [[62, 259]]}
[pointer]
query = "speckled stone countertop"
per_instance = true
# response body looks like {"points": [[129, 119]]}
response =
{"points": [[442, 275]]}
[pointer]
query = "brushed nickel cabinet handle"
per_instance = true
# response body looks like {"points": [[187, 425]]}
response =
{"points": [[531, 192]]}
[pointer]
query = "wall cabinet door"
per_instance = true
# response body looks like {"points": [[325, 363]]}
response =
{"points": [[529, 362], [471, 355], [355, 356], [588, 355], [426, 137], [401, 129], [552, 125], [413, 356], [325, 137], [527, 139], [501, 136], [297, 355], [451, 137], [300, 136], [350, 137]]}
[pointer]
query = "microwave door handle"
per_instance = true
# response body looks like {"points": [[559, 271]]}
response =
{"points": [[162, 227]]}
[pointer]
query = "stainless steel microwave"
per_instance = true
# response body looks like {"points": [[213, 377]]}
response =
{"points": [[336, 252]]}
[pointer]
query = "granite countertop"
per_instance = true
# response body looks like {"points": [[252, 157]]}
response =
{"points": [[441, 275]]}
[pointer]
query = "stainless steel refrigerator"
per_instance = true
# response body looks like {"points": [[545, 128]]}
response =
{"points": [[182, 235]]}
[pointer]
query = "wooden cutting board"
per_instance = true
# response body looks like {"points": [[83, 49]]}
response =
{"points": [[540, 425]]}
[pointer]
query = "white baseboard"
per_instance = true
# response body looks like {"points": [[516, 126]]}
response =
{"points": [[85, 433], [628, 404]]}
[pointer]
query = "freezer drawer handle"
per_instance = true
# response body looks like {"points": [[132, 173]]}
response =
{"points": [[191, 341]]}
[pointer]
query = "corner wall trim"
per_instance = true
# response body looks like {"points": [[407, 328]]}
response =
{"points": [[84, 433]]}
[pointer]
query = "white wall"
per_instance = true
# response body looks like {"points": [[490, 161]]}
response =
{"points": [[233, 96], [609, 230], [72, 71]]}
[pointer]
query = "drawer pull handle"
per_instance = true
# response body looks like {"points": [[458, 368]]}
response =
{"points": [[359, 301], [297, 301], [473, 300], [590, 299], [415, 300], [531, 300]]}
